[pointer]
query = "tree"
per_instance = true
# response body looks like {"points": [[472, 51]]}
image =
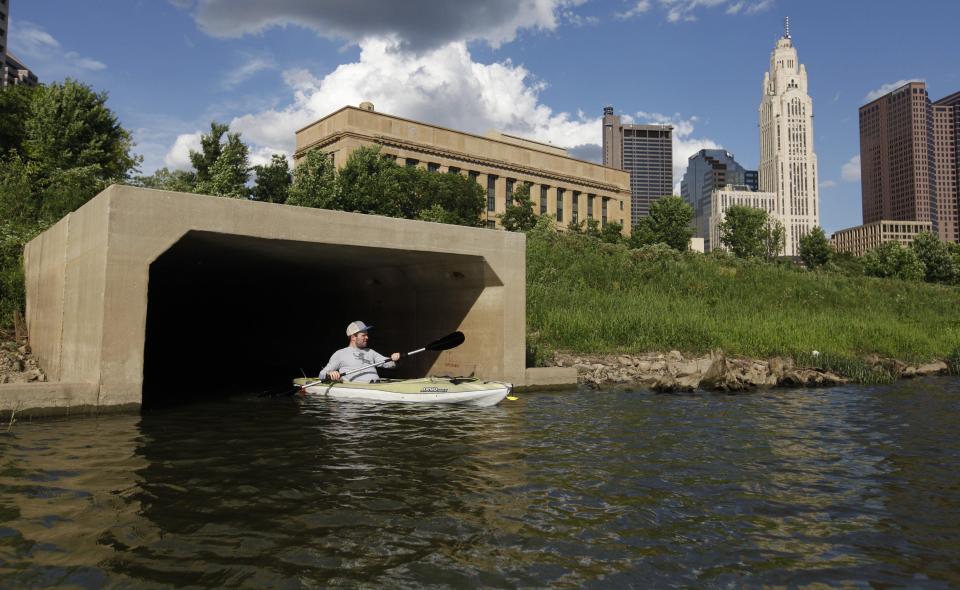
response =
{"points": [[373, 183], [592, 227], [460, 199], [669, 222], [314, 182], [519, 215], [774, 239], [575, 227], [15, 104], [612, 233], [222, 168], [939, 265], [168, 180], [742, 231], [273, 180], [815, 250], [891, 260], [70, 126]]}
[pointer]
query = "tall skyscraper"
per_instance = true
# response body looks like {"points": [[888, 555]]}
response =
{"points": [[788, 164], [908, 162], [646, 152], [946, 135]]}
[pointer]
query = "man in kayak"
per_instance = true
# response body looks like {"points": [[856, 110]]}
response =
{"points": [[357, 355]]}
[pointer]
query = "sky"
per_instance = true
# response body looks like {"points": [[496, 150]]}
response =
{"points": [[542, 69]]}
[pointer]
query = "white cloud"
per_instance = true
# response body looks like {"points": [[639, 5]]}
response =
{"points": [[686, 10], [443, 86], [828, 184], [178, 157], [44, 54], [247, 70], [414, 24], [640, 7], [888, 88], [851, 170]]}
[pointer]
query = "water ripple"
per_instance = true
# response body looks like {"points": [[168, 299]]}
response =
{"points": [[850, 487]]}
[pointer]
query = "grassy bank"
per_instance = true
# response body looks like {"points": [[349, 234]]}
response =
{"points": [[586, 296]]}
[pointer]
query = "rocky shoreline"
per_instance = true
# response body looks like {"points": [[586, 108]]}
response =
{"points": [[673, 372], [17, 364]]}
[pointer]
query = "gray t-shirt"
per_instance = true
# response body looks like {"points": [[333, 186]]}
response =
{"points": [[351, 357]]}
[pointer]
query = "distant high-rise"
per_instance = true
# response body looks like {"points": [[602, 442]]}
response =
{"points": [[788, 163], [908, 163], [12, 71], [646, 152], [715, 173]]}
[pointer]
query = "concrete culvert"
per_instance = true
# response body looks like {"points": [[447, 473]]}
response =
{"points": [[153, 297]]}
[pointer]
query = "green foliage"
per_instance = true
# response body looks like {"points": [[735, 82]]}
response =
{"points": [[592, 227], [612, 233], [586, 296], [669, 223], [168, 180], [815, 250], [222, 168], [15, 104], [854, 368], [953, 361], [69, 126], [314, 182], [61, 146], [373, 183], [846, 263], [891, 260], [774, 239], [742, 231], [519, 215], [273, 180], [939, 266]]}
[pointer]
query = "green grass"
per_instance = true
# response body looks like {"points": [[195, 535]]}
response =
{"points": [[589, 297]]}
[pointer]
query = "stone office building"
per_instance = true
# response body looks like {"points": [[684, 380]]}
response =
{"points": [[562, 186], [868, 236]]}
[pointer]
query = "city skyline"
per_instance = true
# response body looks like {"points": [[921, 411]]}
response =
{"points": [[539, 69]]}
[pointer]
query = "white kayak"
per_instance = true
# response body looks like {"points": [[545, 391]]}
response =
{"points": [[430, 390]]}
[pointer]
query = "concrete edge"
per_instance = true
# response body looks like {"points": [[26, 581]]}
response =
{"points": [[548, 378], [34, 400]]}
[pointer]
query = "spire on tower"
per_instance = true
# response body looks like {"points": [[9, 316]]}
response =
{"points": [[786, 27]]}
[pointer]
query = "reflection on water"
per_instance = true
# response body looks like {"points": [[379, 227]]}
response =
{"points": [[848, 486]]}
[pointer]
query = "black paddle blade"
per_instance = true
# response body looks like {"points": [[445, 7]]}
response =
{"points": [[449, 341]]}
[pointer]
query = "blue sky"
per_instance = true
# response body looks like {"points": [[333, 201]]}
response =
{"points": [[538, 68]]}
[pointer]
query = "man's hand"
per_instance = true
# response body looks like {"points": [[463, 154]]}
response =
{"points": [[395, 357], [333, 375]]}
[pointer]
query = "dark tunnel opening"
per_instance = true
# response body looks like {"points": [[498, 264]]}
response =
{"points": [[231, 314]]}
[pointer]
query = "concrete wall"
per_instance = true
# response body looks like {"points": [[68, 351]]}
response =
{"points": [[88, 286]]}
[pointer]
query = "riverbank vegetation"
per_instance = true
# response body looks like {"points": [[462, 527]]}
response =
{"points": [[584, 295]]}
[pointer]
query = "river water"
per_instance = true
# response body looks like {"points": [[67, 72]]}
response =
{"points": [[852, 486]]}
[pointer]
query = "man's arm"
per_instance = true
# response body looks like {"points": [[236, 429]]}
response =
{"points": [[332, 370]]}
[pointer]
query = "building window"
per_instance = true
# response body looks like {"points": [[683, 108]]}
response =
{"points": [[433, 167], [543, 198], [603, 211], [575, 208], [453, 170], [510, 183], [412, 163], [474, 176], [560, 192], [491, 192], [491, 223], [589, 206]]}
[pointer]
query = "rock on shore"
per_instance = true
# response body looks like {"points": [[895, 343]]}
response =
{"points": [[17, 365], [715, 372]]}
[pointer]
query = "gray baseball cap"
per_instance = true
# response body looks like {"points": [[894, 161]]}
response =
{"points": [[357, 326]]}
